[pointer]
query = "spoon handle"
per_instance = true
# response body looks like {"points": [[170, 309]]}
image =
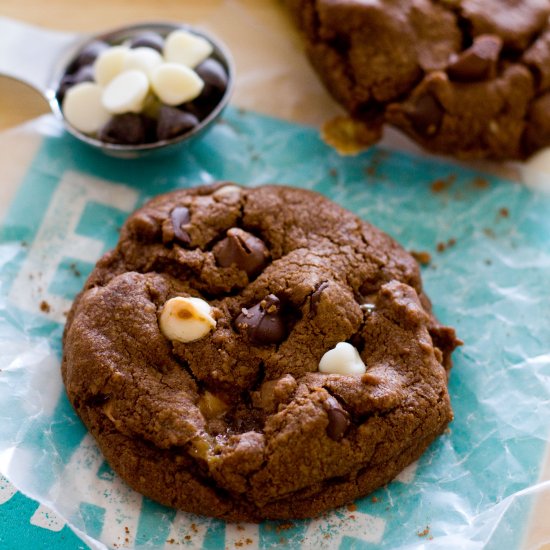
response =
{"points": [[32, 54]]}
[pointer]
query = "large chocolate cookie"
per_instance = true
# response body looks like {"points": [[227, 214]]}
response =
{"points": [[256, 353], [469, 78]]}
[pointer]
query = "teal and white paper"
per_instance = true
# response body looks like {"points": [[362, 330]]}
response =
{"points": [[475, 487]]}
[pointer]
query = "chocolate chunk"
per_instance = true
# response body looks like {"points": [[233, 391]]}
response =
{"points": [[173, 122], [144, 228], [338, 419], [425, 115], [214, 76], [215, 82], [242, 249], [263, 322], [125, 129], [148, 40], [180, 216], [478, 62], [316, 296], [90, 52]]}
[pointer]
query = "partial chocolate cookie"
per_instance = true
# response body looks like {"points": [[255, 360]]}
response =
{"points": [[461, 77], [251, 353]]}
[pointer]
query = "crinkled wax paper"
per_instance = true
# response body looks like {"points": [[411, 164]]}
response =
{"points": [[477, 486]]}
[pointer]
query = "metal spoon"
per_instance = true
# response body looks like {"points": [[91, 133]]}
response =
{"points": [[41, 57]]}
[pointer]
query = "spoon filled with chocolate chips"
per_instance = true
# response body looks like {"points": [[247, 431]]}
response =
{"points": [[136, 90]]}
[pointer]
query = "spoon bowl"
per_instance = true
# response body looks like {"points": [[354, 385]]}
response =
{"points": [[41, 58]]}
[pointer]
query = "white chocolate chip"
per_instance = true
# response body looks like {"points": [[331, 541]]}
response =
{"points": [[186, 319], [109, 64], [231, 192], [342, 359], [175, 84], [186, 48], [142, 59], [126, 92], [535, 172], [83, 109]]}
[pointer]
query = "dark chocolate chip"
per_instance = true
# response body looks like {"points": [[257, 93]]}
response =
{"points": [[426, 115], [84, 74], [180, 216], [478, 62], [242, 249], [144, 227], [316, 296], [173, 122], [338, 419], [214, 76], [147, 40], [263, 322], [125, 129], [89, 53], [215, 84]]}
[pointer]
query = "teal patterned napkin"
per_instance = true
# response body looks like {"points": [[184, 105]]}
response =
{"points": [[489, 276]]}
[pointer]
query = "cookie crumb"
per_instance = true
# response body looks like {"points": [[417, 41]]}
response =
{"points": [[504, 212], [421, 256], [440, 185], [480, 183], [349, 136], [74, 270], [249, 541], [45, 307], [171, 541], [187, 537], [374, 499], [425, 532], [194, 528], [352, 507], [240, 528], [441, 246]]}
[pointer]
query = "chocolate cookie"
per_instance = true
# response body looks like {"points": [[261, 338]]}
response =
{"points": [[467, 78], [256, 353]]}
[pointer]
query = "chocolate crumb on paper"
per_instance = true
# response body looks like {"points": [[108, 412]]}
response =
{"points": [[441, 185], [421, 256], [442, 246], [480, 183], [425, 532]]}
